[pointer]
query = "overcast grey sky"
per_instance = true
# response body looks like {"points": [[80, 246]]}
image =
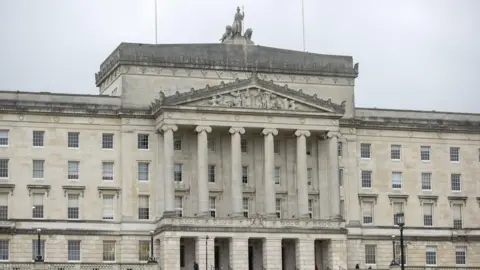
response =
{"points": [[413, 54]]}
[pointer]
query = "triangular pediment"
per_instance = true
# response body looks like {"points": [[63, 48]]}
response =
{"points": [[252, 93]]}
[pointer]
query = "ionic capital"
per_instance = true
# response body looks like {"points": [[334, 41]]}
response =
{"points": [[268, 131], [169, 127], [332, 134], [200, 129], [234, 130], [300, 132]]}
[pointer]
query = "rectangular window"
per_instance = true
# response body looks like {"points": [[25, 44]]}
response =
{"points": [[35, 249], [366, 179], [246, 207], [38, 169], [143, 250], [108, 251], [278, 208], [142, 141], [4, 168], [73, 206], [245, 174], [73, 170], [211, 145], [340, 149], [461, 256], [179, 206], [431, 256], [276, 175], [37, 208], [4, 250], [397, 209], [427, 181], [367, 209], [425, 153], [108, 209], [370, 254], [276, 146], [310, 208], [244, 145], [107, 170], [177, 143], [457, 216], [340, 177], [454, 154], [107, 141], [143, 171], [73, 139], [397, 180], [213, 207], [365, 149], [395, 152], [74, 250], [177, 172], [143, 207], [3, 137], [38, 138], [427, 214], [456, 182], [4, 206], [211, 173]]}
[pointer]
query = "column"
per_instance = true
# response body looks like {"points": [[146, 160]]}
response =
{"points": [[302, 185], [305, 253], [169, 193], [202, 169], [272, 253], [238, 251], [269, 169], [334, 184], [204, 252], [236, 171]]}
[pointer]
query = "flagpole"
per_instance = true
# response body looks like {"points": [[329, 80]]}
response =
{"points": [[303, 26], [156, 32]]}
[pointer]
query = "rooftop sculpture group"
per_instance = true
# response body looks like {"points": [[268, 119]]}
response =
{"points": [[234, 31]]}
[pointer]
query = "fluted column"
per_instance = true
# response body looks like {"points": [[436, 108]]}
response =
{"points": [[202, 169], [269, 168], [169, 194], [302, 185], [334, 181], [236, 172]]}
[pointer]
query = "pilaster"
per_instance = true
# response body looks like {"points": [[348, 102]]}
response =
{"points": [[272, 253], [302, 185], [238, 250], [125, 203], [236, 171], [334, 181], [169, 252], [269, 168], [203, 246], [305, 253], [202, 169], [169, 193]]}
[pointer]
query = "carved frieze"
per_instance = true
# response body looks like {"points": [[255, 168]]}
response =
{"points": [[252, 98]]}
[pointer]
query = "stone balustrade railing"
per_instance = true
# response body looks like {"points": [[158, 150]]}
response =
{"points": [[76, 266]]}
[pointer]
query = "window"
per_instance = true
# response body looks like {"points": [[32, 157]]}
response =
{"points": [[460, 255], [107, 141], [395, 152], [37, 209], [398, 253], [276, 146], [73, 170], [245, 174], [38, 138], [35, 249], [246, 207], [73, 250], [454, 154], [211, 173], [457, 216], [397, 209], [309, 176], [179, 206], [107, 170], [366, 179], [340, 149], [244, 145], [213, 207], [397, 180], [143, 171], [3, 168], [73, 139], [142, 141], [143, 207], [367, 210], [3, 206], [73, 206], [108, 251], [370, 254], [4, 250], [177, 143], [431, 256], [340, 176], [456, 184], [3, 137], [278, 208], [108, 210], [276, 176], [365, 149], [425, 153], [427, 181], [177, 172], [310, 208], [427, 214], [309, 148], [211, 145], [38, 169], [143, 250]]}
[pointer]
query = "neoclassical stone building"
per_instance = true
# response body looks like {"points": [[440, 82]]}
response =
{"points": [[234, 155]]}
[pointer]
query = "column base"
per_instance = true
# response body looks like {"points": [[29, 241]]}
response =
{"points": [[270, 215], [304, 216], [337, 218], [354, 223], [169, 214], [237, 215], [203, 215]]}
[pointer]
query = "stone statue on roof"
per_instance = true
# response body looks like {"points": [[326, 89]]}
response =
{"points": [[233, 33], [237, 25]]}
